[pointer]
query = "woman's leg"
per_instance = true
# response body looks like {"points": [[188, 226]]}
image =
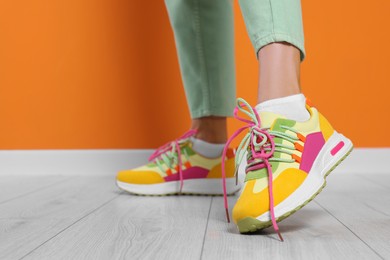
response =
{"points": [[204, 39], [292, 148], [276, 31], [203, 32]]}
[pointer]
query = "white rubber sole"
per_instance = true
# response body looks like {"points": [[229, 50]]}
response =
{"points": [[190, 186], [313, 184]]}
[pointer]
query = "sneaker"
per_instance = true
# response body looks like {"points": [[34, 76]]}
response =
{"points": [[176, 168], [287, 163]]}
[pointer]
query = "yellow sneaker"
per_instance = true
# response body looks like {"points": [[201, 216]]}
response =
{"points": [[287, 163], [176, 168]]}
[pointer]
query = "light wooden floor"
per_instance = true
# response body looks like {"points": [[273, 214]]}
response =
{"points": [[58, 217]]}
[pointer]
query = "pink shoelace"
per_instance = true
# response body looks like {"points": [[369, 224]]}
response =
{"points": [[173, 147], [262, 147]]}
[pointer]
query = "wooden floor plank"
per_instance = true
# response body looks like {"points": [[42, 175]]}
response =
{"points": [[381, 179], [311, 233], [12, 187], [135, 227], [363, 206], [29, 221], [89, 218]]}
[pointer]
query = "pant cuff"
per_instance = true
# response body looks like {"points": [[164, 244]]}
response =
{"points": [[280, 37], [213, 112]]}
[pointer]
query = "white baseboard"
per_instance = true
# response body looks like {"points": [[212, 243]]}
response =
{"points": [[108, 162], [70, 162]]}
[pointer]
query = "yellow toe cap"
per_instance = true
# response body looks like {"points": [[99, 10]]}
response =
{"points": [[139, 177], [254, 204]]}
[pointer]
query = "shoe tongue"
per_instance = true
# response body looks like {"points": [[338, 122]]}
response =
{"points": [[268, 118]]}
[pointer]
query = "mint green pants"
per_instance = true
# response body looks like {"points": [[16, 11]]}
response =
{"points": [[204, 39]]}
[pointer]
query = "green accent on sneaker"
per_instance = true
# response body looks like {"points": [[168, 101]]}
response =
{"points": [[187, 149], [280, 126]]}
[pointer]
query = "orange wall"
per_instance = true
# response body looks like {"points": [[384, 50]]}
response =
{"points": [[103, 74]]}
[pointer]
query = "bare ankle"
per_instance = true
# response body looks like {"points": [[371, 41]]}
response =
{"points": [[279, 71], [211, 129]]}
